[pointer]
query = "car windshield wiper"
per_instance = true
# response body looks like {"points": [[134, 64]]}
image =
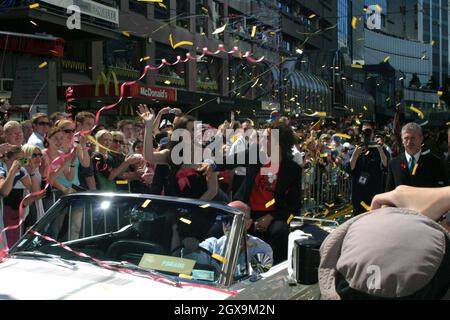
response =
{"points": [[134, 267], [46, 257]]}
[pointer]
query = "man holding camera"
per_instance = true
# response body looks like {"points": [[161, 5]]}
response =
{"points": [[367, 165]]}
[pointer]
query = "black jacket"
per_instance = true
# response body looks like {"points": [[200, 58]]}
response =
{"points": [[431, 172], [287, 192]]}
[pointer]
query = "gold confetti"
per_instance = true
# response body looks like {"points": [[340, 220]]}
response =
{"points": [[43, 64], [317, 114], [418, 111], [386, 59], [448, 123], [184, 276], [33, 23], [358, 122], [34, 5], [324, 155], [290, 218], [312, 16], [144, 58], [218, 257], [343, 135], [205, 10], [365, 206], [167, 82], [126, 33], [440, 93], [253, 32], [415, 168], [162, 5], [365, 108], [221, 178], [220, 30], [357, 66], [354, 21], [256, 82], [146, 203], [270, 203], [329, 205], [184, 220], [181, 43], [205, 206], [120, 182], [433, 42]]}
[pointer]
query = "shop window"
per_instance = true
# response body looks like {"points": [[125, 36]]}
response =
{"points": [[162, 9], [122, 57], [202, 12], [208, 74], [138, 7], [75, 57], [217, 14], [173, 76], [183, 19]]}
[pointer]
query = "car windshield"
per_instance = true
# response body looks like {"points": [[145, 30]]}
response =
{"points": [[169, 236]]}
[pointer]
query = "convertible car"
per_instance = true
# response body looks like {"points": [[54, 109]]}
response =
{"points": [[130, 246]]}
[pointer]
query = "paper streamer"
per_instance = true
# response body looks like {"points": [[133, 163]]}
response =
{"points": [[69, 92]]}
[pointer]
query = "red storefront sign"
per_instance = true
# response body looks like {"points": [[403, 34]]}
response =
{"points": [[18, 42], [153, 93], [137, 91]]}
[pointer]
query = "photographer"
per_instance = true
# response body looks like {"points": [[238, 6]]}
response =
{"points": [[367, 165]]}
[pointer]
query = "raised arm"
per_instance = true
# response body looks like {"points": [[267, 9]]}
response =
{"points": [[149, 119]]}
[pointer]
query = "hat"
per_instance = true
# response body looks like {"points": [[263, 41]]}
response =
{"points": [[274, 115], [390, 253], [165, 123], [347, 145]]}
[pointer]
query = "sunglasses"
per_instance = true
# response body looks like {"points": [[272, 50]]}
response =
{"points": [[42, 123], [118, 141], [35, 155], [69, 130]]}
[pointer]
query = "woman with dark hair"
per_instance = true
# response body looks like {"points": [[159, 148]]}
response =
{"points": [[272, 190], [184, 179]]}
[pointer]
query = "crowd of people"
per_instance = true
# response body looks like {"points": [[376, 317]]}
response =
{"points": [[74, 154]]}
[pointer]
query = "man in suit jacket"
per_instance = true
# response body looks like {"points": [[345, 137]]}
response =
{"points": [[414, 167]]}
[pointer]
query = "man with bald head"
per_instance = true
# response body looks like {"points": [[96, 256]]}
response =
{"points": [[415, 167]]}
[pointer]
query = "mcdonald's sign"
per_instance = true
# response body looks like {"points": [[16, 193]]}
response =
{"points": [[106, 78]]}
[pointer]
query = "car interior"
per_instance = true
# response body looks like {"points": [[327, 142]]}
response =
{"points": [[124, 229]]}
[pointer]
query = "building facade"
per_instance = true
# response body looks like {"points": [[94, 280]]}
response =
{"points": [[425, 21]]}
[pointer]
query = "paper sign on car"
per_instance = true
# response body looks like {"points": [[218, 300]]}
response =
{"points": [[167, 263]]}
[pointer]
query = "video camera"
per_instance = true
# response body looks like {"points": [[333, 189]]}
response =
{"points": [[366, 138]]}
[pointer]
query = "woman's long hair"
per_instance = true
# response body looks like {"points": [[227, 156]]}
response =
{"points": [[286, 138]]}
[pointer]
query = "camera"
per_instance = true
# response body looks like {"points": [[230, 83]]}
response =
{"points": [[24, 161], [366, 138]]}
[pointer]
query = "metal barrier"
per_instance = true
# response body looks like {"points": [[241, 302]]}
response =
{"points": [[325, 186]]}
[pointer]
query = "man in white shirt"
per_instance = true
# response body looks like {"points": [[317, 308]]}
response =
{"points": [[40, 124]]}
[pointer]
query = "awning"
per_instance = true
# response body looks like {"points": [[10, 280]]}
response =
{"points": [[313, 92], [358, 99], [29, 43]]}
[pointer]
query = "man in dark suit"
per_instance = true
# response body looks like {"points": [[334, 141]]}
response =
{"points": [[414, 167]]}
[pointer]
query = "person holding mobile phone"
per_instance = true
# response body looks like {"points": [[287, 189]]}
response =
{"points": [[14, 178]]}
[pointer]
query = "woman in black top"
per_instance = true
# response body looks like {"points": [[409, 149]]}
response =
{"points": [[275, 193], [184, 179]]}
